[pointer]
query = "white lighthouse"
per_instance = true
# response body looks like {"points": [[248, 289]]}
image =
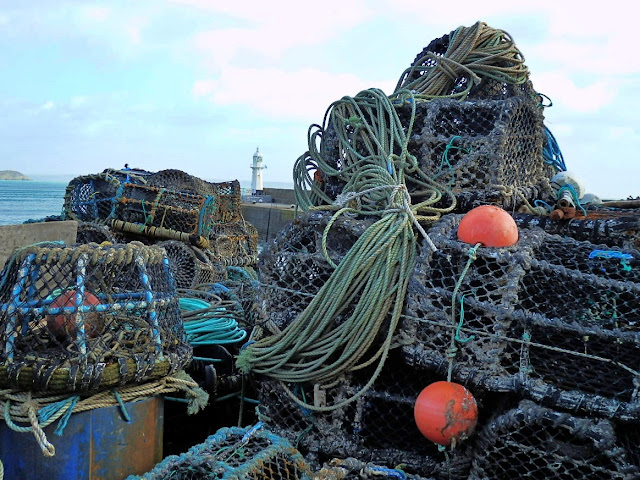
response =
{"points": [[256, 177]]}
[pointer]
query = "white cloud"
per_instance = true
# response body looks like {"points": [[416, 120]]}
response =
{"points": [[48, 105], [96, 13], [270, 29], [305, 94], [565, 93]]}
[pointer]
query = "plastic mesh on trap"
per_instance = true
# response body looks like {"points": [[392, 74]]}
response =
{"points": [[89, 232], [234, 454], [354, 469], [88, 317], [531, 441], [551, 317]]}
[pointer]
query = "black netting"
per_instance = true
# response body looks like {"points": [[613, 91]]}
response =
{"points": [[191, 266], [378, 427], [235, 453], [613, 227], [531, 441], [551, 317], [293, 268], [234, 244], [89, 232], [479, 146], [88, 317]]}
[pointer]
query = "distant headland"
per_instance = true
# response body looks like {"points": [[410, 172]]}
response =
{"points": [[12, 175]]}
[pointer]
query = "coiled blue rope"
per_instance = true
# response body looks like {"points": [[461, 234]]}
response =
{"points": [[551, 152], [209, 325]]}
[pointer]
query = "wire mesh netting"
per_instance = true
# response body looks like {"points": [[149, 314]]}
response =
{"points": [[234, 453], [552, 317], [535, 442], [88, 317]]}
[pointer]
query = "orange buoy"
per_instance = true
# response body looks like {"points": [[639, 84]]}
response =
{"points": [[489, 225], [65, 324], [445, 411]]}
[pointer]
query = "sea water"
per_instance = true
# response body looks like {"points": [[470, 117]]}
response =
{"points": [[22, 200]]}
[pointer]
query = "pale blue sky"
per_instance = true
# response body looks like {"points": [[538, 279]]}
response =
{"points": [[197, 85]]}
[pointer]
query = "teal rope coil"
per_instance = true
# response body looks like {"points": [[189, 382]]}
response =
{"points": [[207, 324]]}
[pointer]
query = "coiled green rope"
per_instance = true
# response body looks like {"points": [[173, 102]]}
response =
{"points": [[473, 53], [339, 330]]}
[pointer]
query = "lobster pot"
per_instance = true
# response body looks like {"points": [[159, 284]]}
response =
{"points": [[486, 150], [235, 453], [169, 199], [551, 318], [477, 145], [489, 294], [531, 441], [227, 195], [615, 228], [88, 317], [91, 232], [293, 267], [378, 427], [234, 244], [167, 209], [190, 265], [92, 198]]}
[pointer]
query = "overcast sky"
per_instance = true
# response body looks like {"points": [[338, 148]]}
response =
{"points": [[199, 84]]}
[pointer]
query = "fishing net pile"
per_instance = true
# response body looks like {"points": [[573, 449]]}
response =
{"points": [[369, 296]]}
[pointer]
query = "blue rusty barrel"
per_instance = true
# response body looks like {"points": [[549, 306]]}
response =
{"points": [[96, 444]]}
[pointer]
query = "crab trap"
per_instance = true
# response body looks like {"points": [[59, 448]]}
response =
{"points": [[531, 441], [552, 318], [88, 317], [484, 150], [234, 453], [93, 198]]}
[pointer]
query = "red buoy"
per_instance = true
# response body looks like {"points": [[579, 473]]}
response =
{"points": [[445, 411], [489, 225], [65, 324]]}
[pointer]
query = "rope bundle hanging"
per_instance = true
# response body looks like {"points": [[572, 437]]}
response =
{"points": [[365, 293], [473, 53]]}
